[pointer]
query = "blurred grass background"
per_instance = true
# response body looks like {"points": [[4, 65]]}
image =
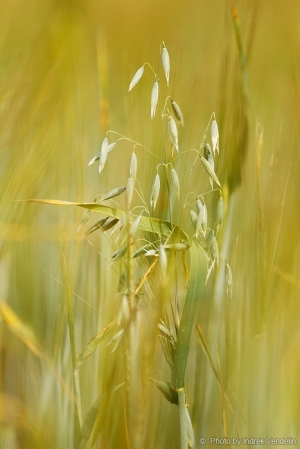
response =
{"points": [[65, 68]]}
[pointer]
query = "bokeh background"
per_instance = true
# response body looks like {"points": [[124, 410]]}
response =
{"points": [[65, 68]]}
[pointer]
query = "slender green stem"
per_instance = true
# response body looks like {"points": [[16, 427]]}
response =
{"points": [[182, 419]]}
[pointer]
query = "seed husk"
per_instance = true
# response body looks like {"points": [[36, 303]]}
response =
{"points": [[117, 255], [124, 312], [169, 393], [97, 156], [109, 223], [113, 193], [220, 211], [120, 224], [165, 59], [179, 246], [151, 252], [199, 205], [136, 78], [228, 279], [98, 225], [94, 159], [209, 271], [133, 167], [111, 146], [214, 133], [103, 154], [194, 218], [175, 181], [135, 225], [209, 237], [204, 224], [209, 157], [154, 98], [200, 220], [142, 251], [129, 191], [177, 112], [155, 191], [215, 249], [210, 170], [163, 261], [173, 133]]}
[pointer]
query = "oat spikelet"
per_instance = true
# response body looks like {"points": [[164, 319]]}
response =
{"points": [[133, 167], [194, 218], [220, 211], [103, 154], [155, 191], [136, 78], [210, 170], [154, 98], [129, 191], [228, 279], [215, 249], [173, 133], [214, 133], [135, 225], [177, 112], [163, 261], [175, 181], [165, 59]]}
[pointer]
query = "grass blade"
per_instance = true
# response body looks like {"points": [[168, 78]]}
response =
{"points": [[94, 343], [147, 224], [190, 313], [91, 417]]}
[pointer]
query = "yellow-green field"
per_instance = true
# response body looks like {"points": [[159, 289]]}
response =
{"points": [[65, 69]]}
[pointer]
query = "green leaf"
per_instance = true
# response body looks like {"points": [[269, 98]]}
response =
{"points": [[190, 313], [148, 224], [91, 417], [94, 343]]}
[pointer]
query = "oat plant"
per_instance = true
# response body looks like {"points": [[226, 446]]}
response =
{"points": [[141, 233]]}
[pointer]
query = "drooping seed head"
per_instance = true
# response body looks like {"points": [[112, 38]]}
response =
{"points": [[103, 154], [215, 249], [208, 237], [133, 167], [210, 170], [154, 98], [204, 224], [163, 261], [165, 59], [135, 225], [199, 205], [179, 246], [214, 133], [228, 279], [129, 191], [111, 146], [177, 112], [220, 211], [175, 181], [136, 78], [113, 193], [155, 191], [173, 133], [200, 219], [117, 255], [194, 218]]}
